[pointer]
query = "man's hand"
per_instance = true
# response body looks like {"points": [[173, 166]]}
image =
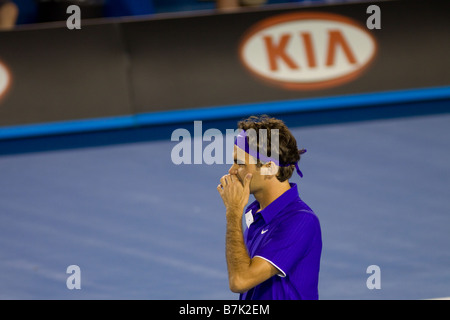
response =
{"points": [[234, 194]]}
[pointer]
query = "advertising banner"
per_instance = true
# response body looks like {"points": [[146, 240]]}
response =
{"points": [[290, 53], [186, 61], [56, 74]]}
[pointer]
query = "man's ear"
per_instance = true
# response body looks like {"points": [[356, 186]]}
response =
{"points": [[269, 169]]}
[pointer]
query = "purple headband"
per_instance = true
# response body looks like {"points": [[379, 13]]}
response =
{"points": [[242, 143]]}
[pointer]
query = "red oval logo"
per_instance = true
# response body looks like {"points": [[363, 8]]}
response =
{"points": [[310, 50], [5, 79]]}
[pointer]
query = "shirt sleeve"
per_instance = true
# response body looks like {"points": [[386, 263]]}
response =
{"points": [[290, 241]]}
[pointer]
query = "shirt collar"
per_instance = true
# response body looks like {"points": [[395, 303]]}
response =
{"points": [[278, 204]]}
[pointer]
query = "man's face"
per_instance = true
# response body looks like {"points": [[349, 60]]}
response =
{"points": [[242, 166]]}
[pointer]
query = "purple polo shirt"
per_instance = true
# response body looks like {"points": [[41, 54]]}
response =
{"points": [[286, 234]]}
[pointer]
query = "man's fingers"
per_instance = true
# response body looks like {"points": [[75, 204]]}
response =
{"points": [[230, 179], [220, 188], [223, 180]]}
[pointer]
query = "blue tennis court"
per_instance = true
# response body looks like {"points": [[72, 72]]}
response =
{"points": [[140, 227]]}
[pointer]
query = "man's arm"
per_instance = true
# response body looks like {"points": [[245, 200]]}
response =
{"points": [[243, 272]]}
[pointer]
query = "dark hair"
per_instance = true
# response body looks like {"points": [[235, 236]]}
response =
{"points": [[288, 151]]}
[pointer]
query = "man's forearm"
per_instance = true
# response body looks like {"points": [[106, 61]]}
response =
{"points": [[238, 260]]}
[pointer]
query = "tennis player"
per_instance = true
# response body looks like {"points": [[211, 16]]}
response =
{"points": [[277, 257]]}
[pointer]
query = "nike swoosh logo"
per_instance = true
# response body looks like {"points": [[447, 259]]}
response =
{"points": [[264, 231]]}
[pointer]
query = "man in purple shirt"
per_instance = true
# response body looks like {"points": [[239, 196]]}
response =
{"points": [[278, 255]]}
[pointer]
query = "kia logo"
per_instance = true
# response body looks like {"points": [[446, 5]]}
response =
{"points": [[5, 79], [306, 51]]}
